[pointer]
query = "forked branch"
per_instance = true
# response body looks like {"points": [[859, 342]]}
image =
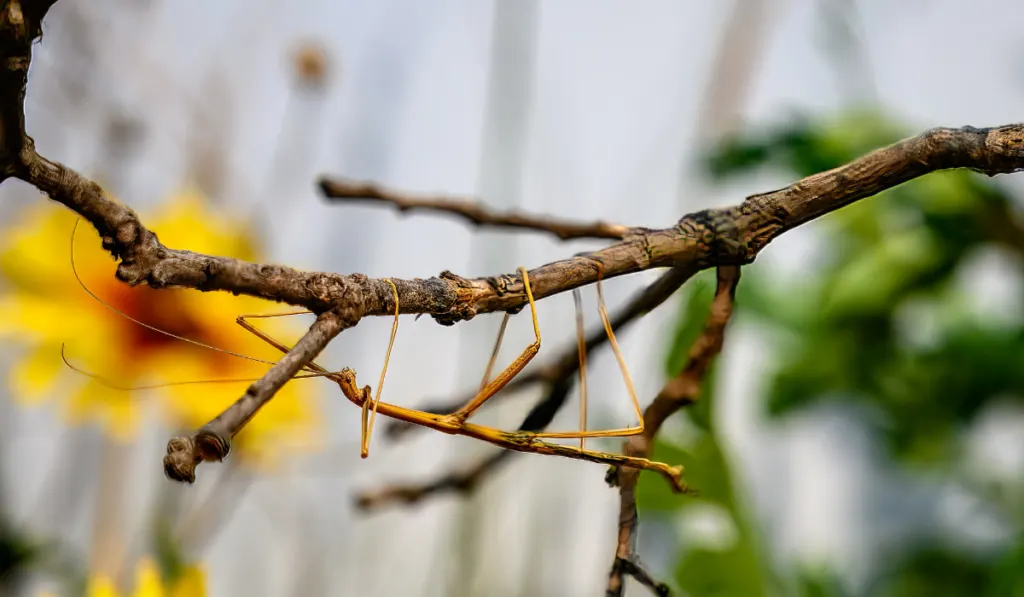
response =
{"points": [[211, 443], [681, 391], [709, 238]]}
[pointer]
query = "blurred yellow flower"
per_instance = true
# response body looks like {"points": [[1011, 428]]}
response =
{"points": [[148, 583], [42, 306]]}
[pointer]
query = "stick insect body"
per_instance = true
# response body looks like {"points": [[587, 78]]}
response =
{"points": [[456, 423]]}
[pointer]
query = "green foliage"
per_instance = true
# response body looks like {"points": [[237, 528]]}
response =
{"points": [[897, 251], [17, 554], [731, 562], [881, 321], [938, 572], [169, 556]]}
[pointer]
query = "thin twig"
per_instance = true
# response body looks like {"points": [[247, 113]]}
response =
{"points": [[348, 190], [212, 442], [623, 567], [459, 482], [681, 391], [709, 238]]}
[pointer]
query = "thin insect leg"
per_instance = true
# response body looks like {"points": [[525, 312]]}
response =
{"points": [[626, 431], [528, 442], [519, 441], [368, 418], [243, 320], [512, 370], [615, 348], [581, 349], [280, 314], [74, 270], [347, 383], [494, 354], [367, 430]]}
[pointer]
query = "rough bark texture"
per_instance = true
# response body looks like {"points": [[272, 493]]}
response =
{"points": [[723, 238]]}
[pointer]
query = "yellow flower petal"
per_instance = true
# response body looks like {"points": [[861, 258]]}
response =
{"points": [[191, 584], [178, 220], [100, 586], [147, 579], [115, 410], [33, 376], [44, 306]]}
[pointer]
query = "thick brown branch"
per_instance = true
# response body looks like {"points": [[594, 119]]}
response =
{"points": [[728, 236], [721, 237], [704, 239], [343, 189], [212, 441], [680, 391]]}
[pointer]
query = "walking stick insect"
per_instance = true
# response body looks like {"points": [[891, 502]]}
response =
{"points": [[456, 423]]}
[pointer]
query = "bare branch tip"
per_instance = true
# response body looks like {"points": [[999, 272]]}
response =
{"points": [[184, 453], [181, 460]]}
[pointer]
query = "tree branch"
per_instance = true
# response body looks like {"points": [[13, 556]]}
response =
{"points": [[347, 190], [681, 391], [704, 239], [709, 238], [461, 482], [623, 567], [212, 441]]}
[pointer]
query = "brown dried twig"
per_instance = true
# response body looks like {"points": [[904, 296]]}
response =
{"points": [[681, 391], [708, 238], [623, 567], [460, 482], [347, 190]]}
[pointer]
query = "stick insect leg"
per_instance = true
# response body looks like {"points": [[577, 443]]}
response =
{"points": [[626, 431], [503, 378], [367, 430], [581, 349], [367, 420], [494, 354]]}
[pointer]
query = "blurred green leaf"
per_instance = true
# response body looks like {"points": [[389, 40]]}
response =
{"points": [[17, 554], [935, 572], [848, 332], [170, 559]]}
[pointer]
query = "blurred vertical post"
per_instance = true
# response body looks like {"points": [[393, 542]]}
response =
{"points": [[500, 180], [724, 101]]}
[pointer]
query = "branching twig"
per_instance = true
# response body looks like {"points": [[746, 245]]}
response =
{"points": [[342, 189], [212, 442], [727, 236], [623, 567], [681, 391]]}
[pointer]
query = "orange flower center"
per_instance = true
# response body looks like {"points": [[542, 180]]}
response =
{"points": [[161, 309]]}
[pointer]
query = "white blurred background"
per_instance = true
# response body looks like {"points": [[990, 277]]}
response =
{"points": [[579, 109]]}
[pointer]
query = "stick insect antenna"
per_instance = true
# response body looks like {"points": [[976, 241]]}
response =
{"points": [[113, 385], [74, 270]]}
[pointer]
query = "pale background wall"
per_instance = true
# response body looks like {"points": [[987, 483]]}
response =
{"points": [[592, 114]]}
